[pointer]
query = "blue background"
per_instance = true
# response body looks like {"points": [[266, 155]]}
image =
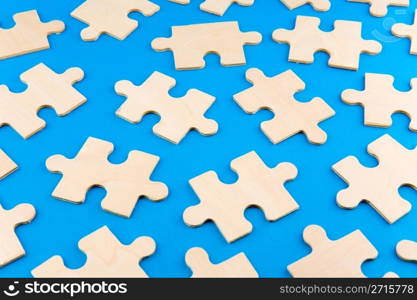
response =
{"points": [[271, 246]]}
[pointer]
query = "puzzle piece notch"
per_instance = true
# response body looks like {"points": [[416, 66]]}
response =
{"points": [[111, 17], [237, 266], [106, 257], [344, 43], [190, 43], [28, 35], [407, 31], [124, 183], [319, 5], [10, 246], [178, 115], [7, 165], [407, 250], [225, 204], [219, 7], [379, 8], [379, 185], [45, 88], [291, 117], [380, 100], [339, 258]]}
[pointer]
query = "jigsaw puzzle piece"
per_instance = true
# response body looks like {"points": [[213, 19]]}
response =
{"points": [[237, 266], [178, 115], [407, 250], [291, 117], [219, 7], [225, 204], [7, 165], [111, 17], [181, 1], [106, 258], [379, 8], [124, 183], [407, 31], [319, 5]]}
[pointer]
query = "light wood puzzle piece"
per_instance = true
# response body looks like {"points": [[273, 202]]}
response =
{"points": [[237, 266], [339, 258], [111, 17], [45, 89], [7, 165], [10, 246], [291, 117], [379, 185], [379, 8], [380, 100], [344, 43], [407, 250], [319, 5], [225, 204], [407, 31], [190, 43], [124, 183], [178, 115], [28, 35], [219, 7], [106, 257], [181, 1]]}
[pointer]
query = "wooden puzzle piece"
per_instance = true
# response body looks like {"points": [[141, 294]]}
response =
{"points": [[379, 8], [379, 185], [407, 31], [339, 258], [407, 250], [219, 7], [124, 183], [344, 43], [237, 266], [7, 165], [106, 257], [291, 117], [111, 17], [319, 5], [181, 1], [28, 35], [190, 43], [10, 246], [225, 204], [45, 89], [380, 100], [178, 115]]}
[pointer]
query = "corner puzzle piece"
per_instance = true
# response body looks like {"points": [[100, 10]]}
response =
{"points": [[190, 43], [319, 5], [237, 266], [28, 35], [106, 257], [45, 89], [219, 7], [407, 250], [111, 17], [344, 44], [291, 117], [380, 100], [379, 8], [339, 258], [178, 115], [225, 204], [10, 246], [7, 165], [124, 183], [379, 185], [407, 31]]}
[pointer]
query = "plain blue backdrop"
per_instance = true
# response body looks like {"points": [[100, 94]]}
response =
{"points": [[272, 245]]}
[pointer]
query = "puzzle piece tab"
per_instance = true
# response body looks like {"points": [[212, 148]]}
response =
{"points": [[319, 5], [10, 246], [407, 250], [106, 258], [124, 183], [219, 7], [291, 117], [379, 8], [344, 43], [237, 266], [28, 35], [111, 17], [7, 165], [45, 89], [380, 100], [379, 185], [339, 258], [407, 31], [178, 115], [190, 43], [225, 204]]}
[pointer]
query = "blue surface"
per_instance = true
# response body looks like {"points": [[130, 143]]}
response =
{"points": [[272, 246]]}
